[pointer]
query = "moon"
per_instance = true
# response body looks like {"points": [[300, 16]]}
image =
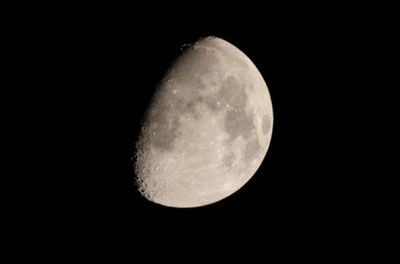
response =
{"points": [[207, 128]]}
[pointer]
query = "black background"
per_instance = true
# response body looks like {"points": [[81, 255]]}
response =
{"points": [[82, 74]]}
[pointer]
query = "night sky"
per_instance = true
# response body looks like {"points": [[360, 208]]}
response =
{"points": [[79, 78]]}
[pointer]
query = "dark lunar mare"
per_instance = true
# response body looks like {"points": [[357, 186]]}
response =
{"points": [[238, 122]]}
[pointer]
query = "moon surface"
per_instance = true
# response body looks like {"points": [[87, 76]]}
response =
{"points": [[207, 128]]}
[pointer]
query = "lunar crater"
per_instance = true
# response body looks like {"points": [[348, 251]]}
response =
{"points": [[195, 64]]}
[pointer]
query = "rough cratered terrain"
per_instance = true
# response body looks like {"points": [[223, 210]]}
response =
{"points": [[207, 128]]}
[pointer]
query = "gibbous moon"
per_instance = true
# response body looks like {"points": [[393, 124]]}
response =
{"points": [[207, 128]]}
